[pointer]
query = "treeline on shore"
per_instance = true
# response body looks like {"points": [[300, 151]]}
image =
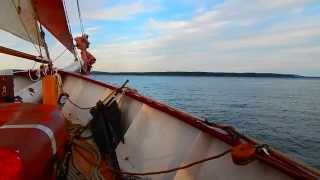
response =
{"points": [[205, 74]]}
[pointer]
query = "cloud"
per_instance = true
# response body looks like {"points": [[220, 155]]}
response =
{"points": [[228, 37], [166, 26], [120, 12], [92, 29], [184, 26], [248, 12], [275, 39]]}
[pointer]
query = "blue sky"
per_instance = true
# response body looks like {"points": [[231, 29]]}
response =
{"points": [[280, 36]]}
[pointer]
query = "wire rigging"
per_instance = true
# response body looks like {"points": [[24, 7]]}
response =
{"points": [[18, 11], [80, 17], [60, 55], [75, 54], [67, 16]]}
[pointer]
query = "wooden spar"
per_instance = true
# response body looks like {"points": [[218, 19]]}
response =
{"points": [[16, 53]]}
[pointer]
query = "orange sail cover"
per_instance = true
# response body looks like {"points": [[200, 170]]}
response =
{"points": [[52, 16]]}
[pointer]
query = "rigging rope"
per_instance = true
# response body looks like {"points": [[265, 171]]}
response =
{"points": [[114, 94], [86, 108], [59, 56], [78, 106], [160, 171], [80, 17], [29, 73], [67, 16], [77, 130], [60, 85], [176, 168], [18, 10], [75, 54]]}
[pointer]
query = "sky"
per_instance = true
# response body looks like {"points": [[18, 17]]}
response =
{"points": [[278, 36]]}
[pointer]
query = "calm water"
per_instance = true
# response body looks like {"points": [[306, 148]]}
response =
{"points": [[284, 113]]}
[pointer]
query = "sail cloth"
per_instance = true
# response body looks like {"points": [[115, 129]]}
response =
{"points": [[18, 18], [52, 16]]}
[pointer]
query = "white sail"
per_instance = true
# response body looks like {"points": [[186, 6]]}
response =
{"points": [[18, 18]]}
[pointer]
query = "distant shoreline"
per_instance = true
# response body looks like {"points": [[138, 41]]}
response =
{"points": [[205, 74]]}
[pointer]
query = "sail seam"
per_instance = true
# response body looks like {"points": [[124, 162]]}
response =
{"points": [[24, 26], [70, 30]]}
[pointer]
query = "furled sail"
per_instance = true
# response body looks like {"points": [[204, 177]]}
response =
{"points": [[51, 15], [18, 18]]}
